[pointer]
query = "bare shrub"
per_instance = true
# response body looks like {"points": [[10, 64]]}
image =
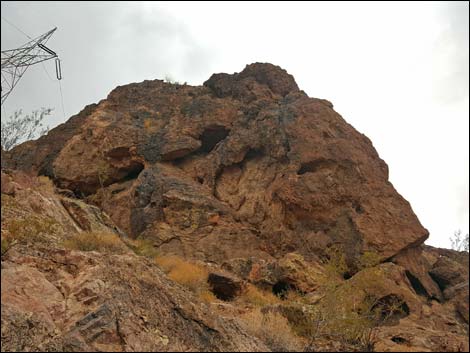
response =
{"points": [[458, 241], [18, 128]]}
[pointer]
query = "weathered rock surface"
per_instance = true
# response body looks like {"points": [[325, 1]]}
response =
{"points": [[248, 162], [54, 299], [74, 301], [245, 174]]}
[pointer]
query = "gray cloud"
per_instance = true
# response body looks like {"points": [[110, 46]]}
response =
{"points": [[451, 50]]}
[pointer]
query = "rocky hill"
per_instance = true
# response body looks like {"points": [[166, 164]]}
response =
{"points": [[267, 193]]}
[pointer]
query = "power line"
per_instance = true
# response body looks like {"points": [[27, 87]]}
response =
{"points": [[11, 24], [47, 72], [62, 99]]}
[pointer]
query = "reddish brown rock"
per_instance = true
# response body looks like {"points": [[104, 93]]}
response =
{"points": [[72, 301], [246, 174], [418, 272], [282, 171]]}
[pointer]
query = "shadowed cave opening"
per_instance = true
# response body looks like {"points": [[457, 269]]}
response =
{"points": [[224, 287], [281, 289], [417, 285], [313, 166], [347, 275], [133, 171], [398, 339], [211, 136]]}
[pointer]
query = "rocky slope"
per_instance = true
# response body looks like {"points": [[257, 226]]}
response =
{"points": [[246, 174]]}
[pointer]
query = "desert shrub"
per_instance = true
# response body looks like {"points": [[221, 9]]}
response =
{"points": [[349, 315], [183, 272], [7, 244], [143, 247], [18, 128], [257, 297], [336, 264], [103, 172], [8, 202], [105, 242], [29, 229], [368, 259], [169, 79], [337, 318], [459, 242], [207, 296], [45, 184], [273, 329], [297, 296]]}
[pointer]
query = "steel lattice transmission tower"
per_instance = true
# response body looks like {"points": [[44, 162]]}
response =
{"points": [[15, 62]]}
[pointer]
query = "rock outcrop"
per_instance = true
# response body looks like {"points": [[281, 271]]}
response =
{"points": [[245, 175]]}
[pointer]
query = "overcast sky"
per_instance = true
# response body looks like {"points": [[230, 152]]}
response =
{"points": [[398, 72]]}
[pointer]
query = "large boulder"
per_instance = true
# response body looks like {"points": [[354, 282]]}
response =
{"points": [[246, 165]]}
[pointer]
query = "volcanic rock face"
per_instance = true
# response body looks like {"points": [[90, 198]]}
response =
{"points": [[247, 165], [246, 175]]}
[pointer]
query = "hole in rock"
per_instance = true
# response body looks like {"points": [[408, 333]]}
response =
{"points": [[358, 208], [347, 275], [417, 285], [211, 136], [313, 166], [133, 171], [398, 339], [252, 154], [281, 289], [390, 309], [224, 287]]}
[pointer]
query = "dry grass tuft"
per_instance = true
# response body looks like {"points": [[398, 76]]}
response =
{"points": [[45, 185], [207, 296], [143, 247], [273, 329], [257, 297], [183, 272], [104, 242]]}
